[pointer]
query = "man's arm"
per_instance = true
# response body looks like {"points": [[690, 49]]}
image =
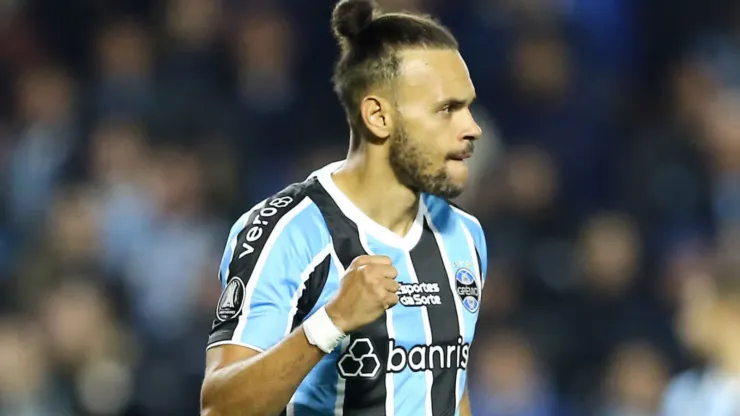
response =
{"points": [[255, 358], [241, 381]]}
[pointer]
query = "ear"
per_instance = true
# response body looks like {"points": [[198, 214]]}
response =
{"points": [[377, 115]]}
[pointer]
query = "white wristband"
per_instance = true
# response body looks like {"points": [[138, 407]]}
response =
{"points": [[321, 331]]}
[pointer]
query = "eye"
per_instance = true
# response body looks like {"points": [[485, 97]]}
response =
{"points": [[448, 109], [452, 106]]}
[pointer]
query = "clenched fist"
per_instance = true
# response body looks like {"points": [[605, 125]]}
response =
{"points": [[366, 291]]}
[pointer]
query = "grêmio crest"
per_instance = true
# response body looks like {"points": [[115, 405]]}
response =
{"points": [[466, 286]]}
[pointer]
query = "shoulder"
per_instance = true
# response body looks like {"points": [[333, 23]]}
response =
{"points": [[285, 227], [442, 209], [444, 214], [289, 216]]}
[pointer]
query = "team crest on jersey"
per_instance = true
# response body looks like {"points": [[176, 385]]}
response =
{"points": [[467, 289], [231, 301]]}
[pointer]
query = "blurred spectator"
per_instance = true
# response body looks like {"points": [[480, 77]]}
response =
{"points": [[710, 325], [610, 249], [44, 140], [91, 352], [635, 381], [26, 385], [124, 86], [120, 168], [164, 267], [510, 381]]}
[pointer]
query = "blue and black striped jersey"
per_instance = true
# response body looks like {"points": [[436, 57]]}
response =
{"points": [[284, 259]]}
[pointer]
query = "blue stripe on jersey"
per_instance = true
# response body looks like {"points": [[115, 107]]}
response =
{"points": [[317, 394], [280, 276], [408, 329], [459, 254]]}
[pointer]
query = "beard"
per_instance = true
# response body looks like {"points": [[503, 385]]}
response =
{"points": [[416, 169]]}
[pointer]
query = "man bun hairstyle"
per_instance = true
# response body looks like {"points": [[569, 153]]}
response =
{"points": [[370, 41], [350, 18]]}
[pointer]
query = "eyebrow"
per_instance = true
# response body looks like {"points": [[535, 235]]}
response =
{"points": [[456, 102]]}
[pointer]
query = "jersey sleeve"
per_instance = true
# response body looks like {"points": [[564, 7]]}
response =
{"points": [[268, 251]]}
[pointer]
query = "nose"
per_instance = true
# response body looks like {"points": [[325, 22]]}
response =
{"points": [[472, 130]]}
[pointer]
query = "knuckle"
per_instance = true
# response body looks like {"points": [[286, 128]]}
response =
{"points": [[368, 275], [360, 260], [364, 269], [381, 259], [372, 270]]}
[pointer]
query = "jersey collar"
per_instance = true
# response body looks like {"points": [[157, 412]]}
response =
{"points": [[364, 223]]}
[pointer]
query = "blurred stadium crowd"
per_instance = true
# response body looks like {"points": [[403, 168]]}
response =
{"points": [[134, 132]]}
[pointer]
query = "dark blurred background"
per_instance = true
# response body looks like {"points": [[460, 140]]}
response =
{"points": [[134, 132]]}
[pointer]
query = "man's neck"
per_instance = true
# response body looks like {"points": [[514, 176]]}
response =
{"points": [[374, 189]]}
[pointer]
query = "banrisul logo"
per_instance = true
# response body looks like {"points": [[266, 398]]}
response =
{"points": [[467, 288], [361, 359], [427, 357], [419, 294]]}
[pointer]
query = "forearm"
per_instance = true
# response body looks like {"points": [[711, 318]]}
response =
{"points": [[263, 384]]}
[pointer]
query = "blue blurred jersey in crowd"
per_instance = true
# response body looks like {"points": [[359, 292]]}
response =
{"points": [[705, 392], [284, 260]]}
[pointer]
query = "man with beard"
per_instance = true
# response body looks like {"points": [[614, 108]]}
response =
{"points": [[357, 291], [710, 325]]}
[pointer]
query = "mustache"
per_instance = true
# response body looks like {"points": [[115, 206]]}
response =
{"points": [[465, 153]]}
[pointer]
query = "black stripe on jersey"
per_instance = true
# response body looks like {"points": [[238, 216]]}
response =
{"points": [[362, 396], [480, 264], [427, 261], [312, 292], [250, 244]]}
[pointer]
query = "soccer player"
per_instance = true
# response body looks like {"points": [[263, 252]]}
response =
{"points": [[357, 291], [711, 326]]}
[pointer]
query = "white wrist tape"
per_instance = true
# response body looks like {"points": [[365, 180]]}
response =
{"points": [[322, 332]]}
